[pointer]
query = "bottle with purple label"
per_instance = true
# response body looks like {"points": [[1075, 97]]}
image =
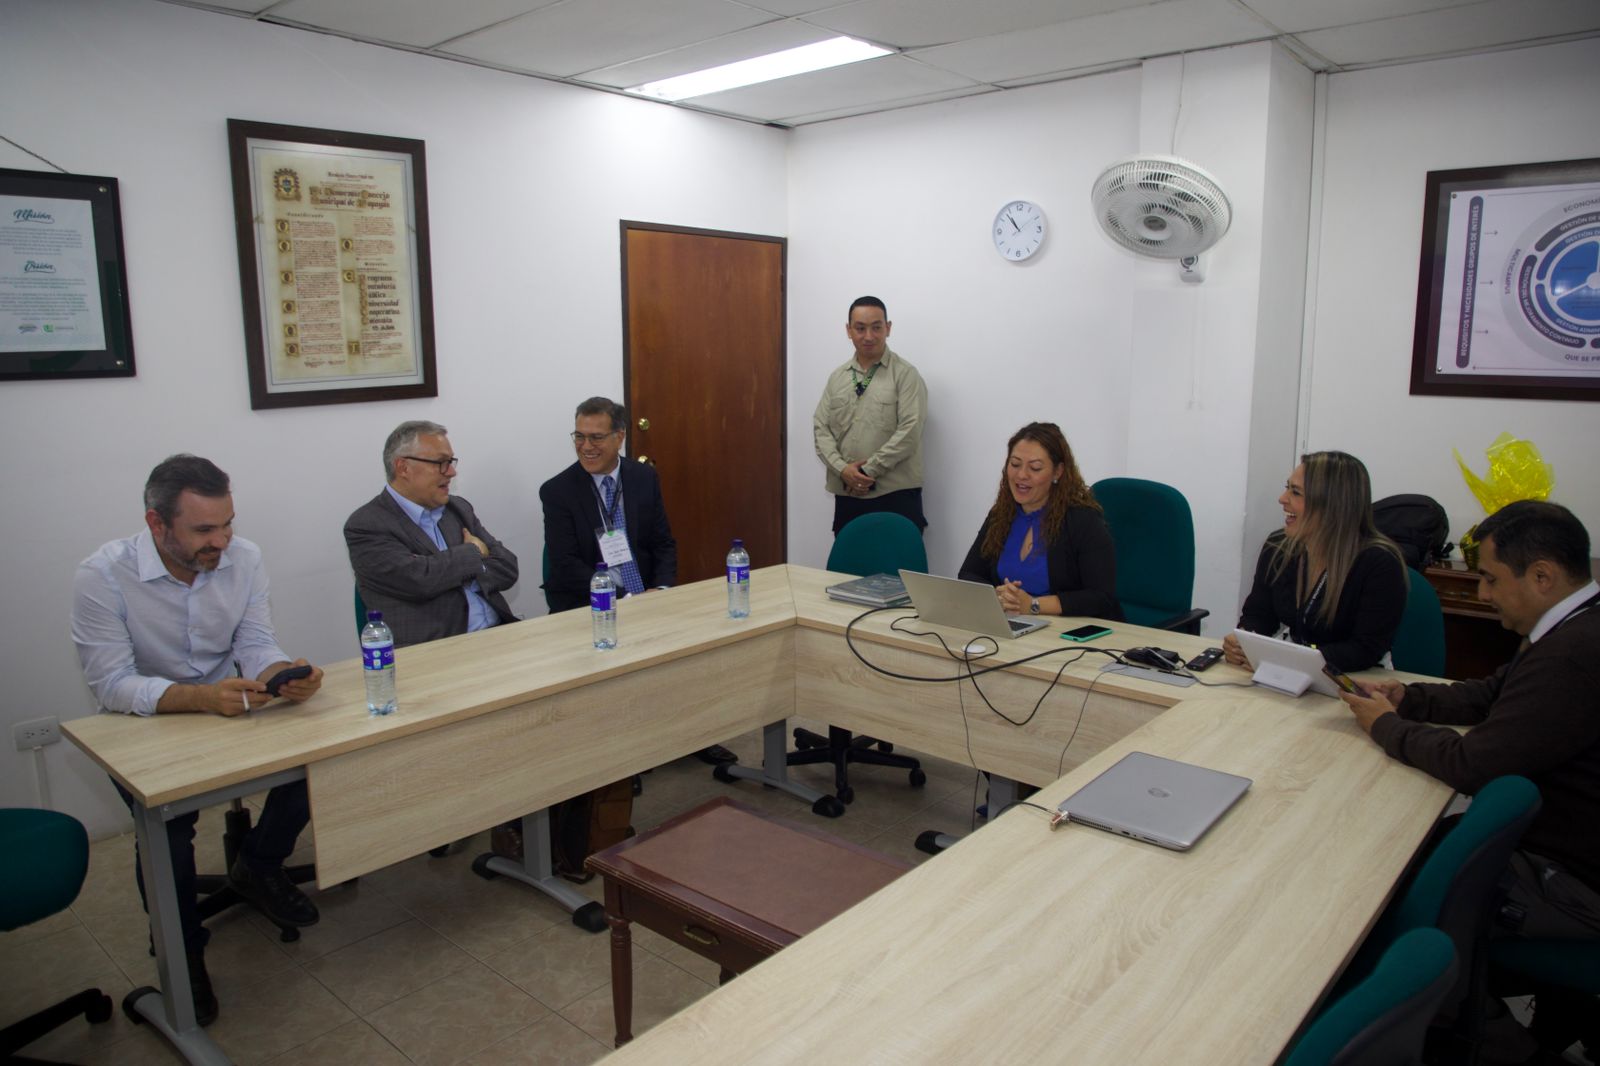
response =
{"points": [[377, 665], [603, 607], [738, 581]]}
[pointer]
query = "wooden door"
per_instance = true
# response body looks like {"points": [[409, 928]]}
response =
{"points": [[703, 328]]}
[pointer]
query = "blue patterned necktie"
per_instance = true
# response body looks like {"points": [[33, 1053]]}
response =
{"points": [[632, 583]]}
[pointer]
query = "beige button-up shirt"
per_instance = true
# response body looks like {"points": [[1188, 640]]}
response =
{"points": [[882, 426]]}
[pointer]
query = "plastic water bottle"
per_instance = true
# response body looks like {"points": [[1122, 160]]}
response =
{"points": [[738, 580], [377, 664], [603, 607]]}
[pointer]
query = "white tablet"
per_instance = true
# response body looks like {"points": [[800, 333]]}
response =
{"points": [[1285, 665]]}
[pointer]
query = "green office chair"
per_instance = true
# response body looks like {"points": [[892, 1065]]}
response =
{"points": [[1458, 891], [44, 856], [1383, 1021], [361, 612], [879, 543], [1153, 529], [1419, 642]]}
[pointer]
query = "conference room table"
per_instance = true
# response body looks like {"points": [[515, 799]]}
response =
{"points": [[1018, 944]]}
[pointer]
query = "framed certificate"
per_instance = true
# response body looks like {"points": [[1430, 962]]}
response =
{"points": [[333, 265], [63, 283], [1508, 295]]}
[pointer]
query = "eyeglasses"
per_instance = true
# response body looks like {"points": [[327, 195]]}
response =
{"points": [[596, 439], [445, 465]]}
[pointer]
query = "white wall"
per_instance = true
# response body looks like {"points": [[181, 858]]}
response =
{"points": [[1385, 130], [527, 181], [1148, 376]]}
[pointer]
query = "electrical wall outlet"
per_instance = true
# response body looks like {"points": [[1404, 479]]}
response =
{"points": [[36, 733]]}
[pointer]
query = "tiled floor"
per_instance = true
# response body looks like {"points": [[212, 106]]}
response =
{"points": [[423, 962]]}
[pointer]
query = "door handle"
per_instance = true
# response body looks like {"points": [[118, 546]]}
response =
{"points": [[644, 423]]}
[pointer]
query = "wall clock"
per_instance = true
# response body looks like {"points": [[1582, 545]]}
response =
{"points": [[1018, 230]]}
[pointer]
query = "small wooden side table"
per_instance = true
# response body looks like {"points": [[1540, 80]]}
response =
{"points": [[731, 884]]}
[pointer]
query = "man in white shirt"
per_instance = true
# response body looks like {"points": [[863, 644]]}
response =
{"points": [[176, 619]]}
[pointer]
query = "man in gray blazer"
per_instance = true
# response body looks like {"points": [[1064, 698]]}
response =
{"points": [[419, 554]]}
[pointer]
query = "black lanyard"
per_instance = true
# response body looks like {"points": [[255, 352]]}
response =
{"points": [[1311, 603], [608, 519]]}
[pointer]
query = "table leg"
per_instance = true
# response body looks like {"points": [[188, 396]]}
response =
{"points": [[170, 1009], [621, 963], [774, 772], [536, 871]]}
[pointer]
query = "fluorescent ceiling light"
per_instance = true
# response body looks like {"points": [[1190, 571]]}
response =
{"points": [[820, 56]]}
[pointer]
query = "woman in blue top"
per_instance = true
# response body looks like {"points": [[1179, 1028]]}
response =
{"points": [[1045, 545]]}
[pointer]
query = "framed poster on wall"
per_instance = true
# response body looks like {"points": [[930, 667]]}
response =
{"points": [[333, 265], [63, 282], [1508, 294]]}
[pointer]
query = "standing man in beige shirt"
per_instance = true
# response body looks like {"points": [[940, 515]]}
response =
{"points": [[868, 424]]}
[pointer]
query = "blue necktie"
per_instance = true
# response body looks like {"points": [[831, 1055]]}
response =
{"points": [[632, 583]]}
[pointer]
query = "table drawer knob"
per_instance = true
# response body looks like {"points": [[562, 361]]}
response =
{"points": [[701, 936]]}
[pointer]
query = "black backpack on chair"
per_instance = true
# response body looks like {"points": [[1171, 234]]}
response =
{"points": [[1417, 524]]}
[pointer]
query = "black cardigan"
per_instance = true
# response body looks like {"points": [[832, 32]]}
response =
{"points": [[1364, 624], [1082, 563]]}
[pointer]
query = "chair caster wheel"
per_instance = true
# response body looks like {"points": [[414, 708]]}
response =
{"points": [[828, 807], [918, 778], [885, 747], [439, 852], [288, 934], [128, 1001], [591, 917], [846, 794], [100, 1011], [928, 842], [723, 774], [480, 866]]}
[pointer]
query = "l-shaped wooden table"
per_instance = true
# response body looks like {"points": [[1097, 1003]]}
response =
{"points": [[1020, 944]]}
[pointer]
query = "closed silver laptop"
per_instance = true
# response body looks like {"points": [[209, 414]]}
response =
{"points": [[969, 605], [1160, 801]]}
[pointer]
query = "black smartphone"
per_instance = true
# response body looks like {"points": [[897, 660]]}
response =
{"points": [[287, 674], [1083, 633], [1206, 659], [1347, 683]]}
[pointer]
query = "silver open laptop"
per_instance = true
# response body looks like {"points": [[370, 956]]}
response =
{"points": [[969, 605], [1156, 800]]}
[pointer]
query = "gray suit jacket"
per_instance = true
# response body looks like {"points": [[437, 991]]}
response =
{"points": [[416, 586]]}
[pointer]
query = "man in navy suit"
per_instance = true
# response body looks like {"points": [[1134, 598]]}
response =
{"points": [[599, 499], [420, 555]]}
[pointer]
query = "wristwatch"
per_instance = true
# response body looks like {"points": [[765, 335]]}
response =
{"points": [[1033, 606]]}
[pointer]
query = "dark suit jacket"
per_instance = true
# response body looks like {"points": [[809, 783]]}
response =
{"points": [[416, 586], [572, 514], [1082, 564]]}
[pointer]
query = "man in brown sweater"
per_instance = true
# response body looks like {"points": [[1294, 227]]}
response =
{"points": [[1538, 716]]}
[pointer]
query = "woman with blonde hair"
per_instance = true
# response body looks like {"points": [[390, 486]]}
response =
{"points": [[1045, 546], [1328, 577]]}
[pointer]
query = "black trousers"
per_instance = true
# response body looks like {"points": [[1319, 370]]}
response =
{"points": [[270, 842]]}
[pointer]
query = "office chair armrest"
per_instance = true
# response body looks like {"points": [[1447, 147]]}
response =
{"points": [[1188, 622]]}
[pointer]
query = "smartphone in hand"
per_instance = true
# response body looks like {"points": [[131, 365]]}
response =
{"points": [[282, 677], [1347, 683]]}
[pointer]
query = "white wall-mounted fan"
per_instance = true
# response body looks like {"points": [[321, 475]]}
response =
{"points": [[1162, 207]]}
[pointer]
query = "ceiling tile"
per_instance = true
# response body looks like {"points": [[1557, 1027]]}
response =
{"points": [[252, 6], [1155, 29], [756, 41], [870, 81], [580, 35], [1460, 29], [868, 109], [1294, 16], [922, 23], [794, 7], [419, 25]]}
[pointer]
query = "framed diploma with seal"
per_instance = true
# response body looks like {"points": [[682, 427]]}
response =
{"points": [[1508, 295], [63, 282], [333, 265]]}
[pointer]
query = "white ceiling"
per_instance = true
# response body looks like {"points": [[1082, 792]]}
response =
{"points": [[945, 48]]}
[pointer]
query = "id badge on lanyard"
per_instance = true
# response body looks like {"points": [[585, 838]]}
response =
{"points": [[613, 542]]}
